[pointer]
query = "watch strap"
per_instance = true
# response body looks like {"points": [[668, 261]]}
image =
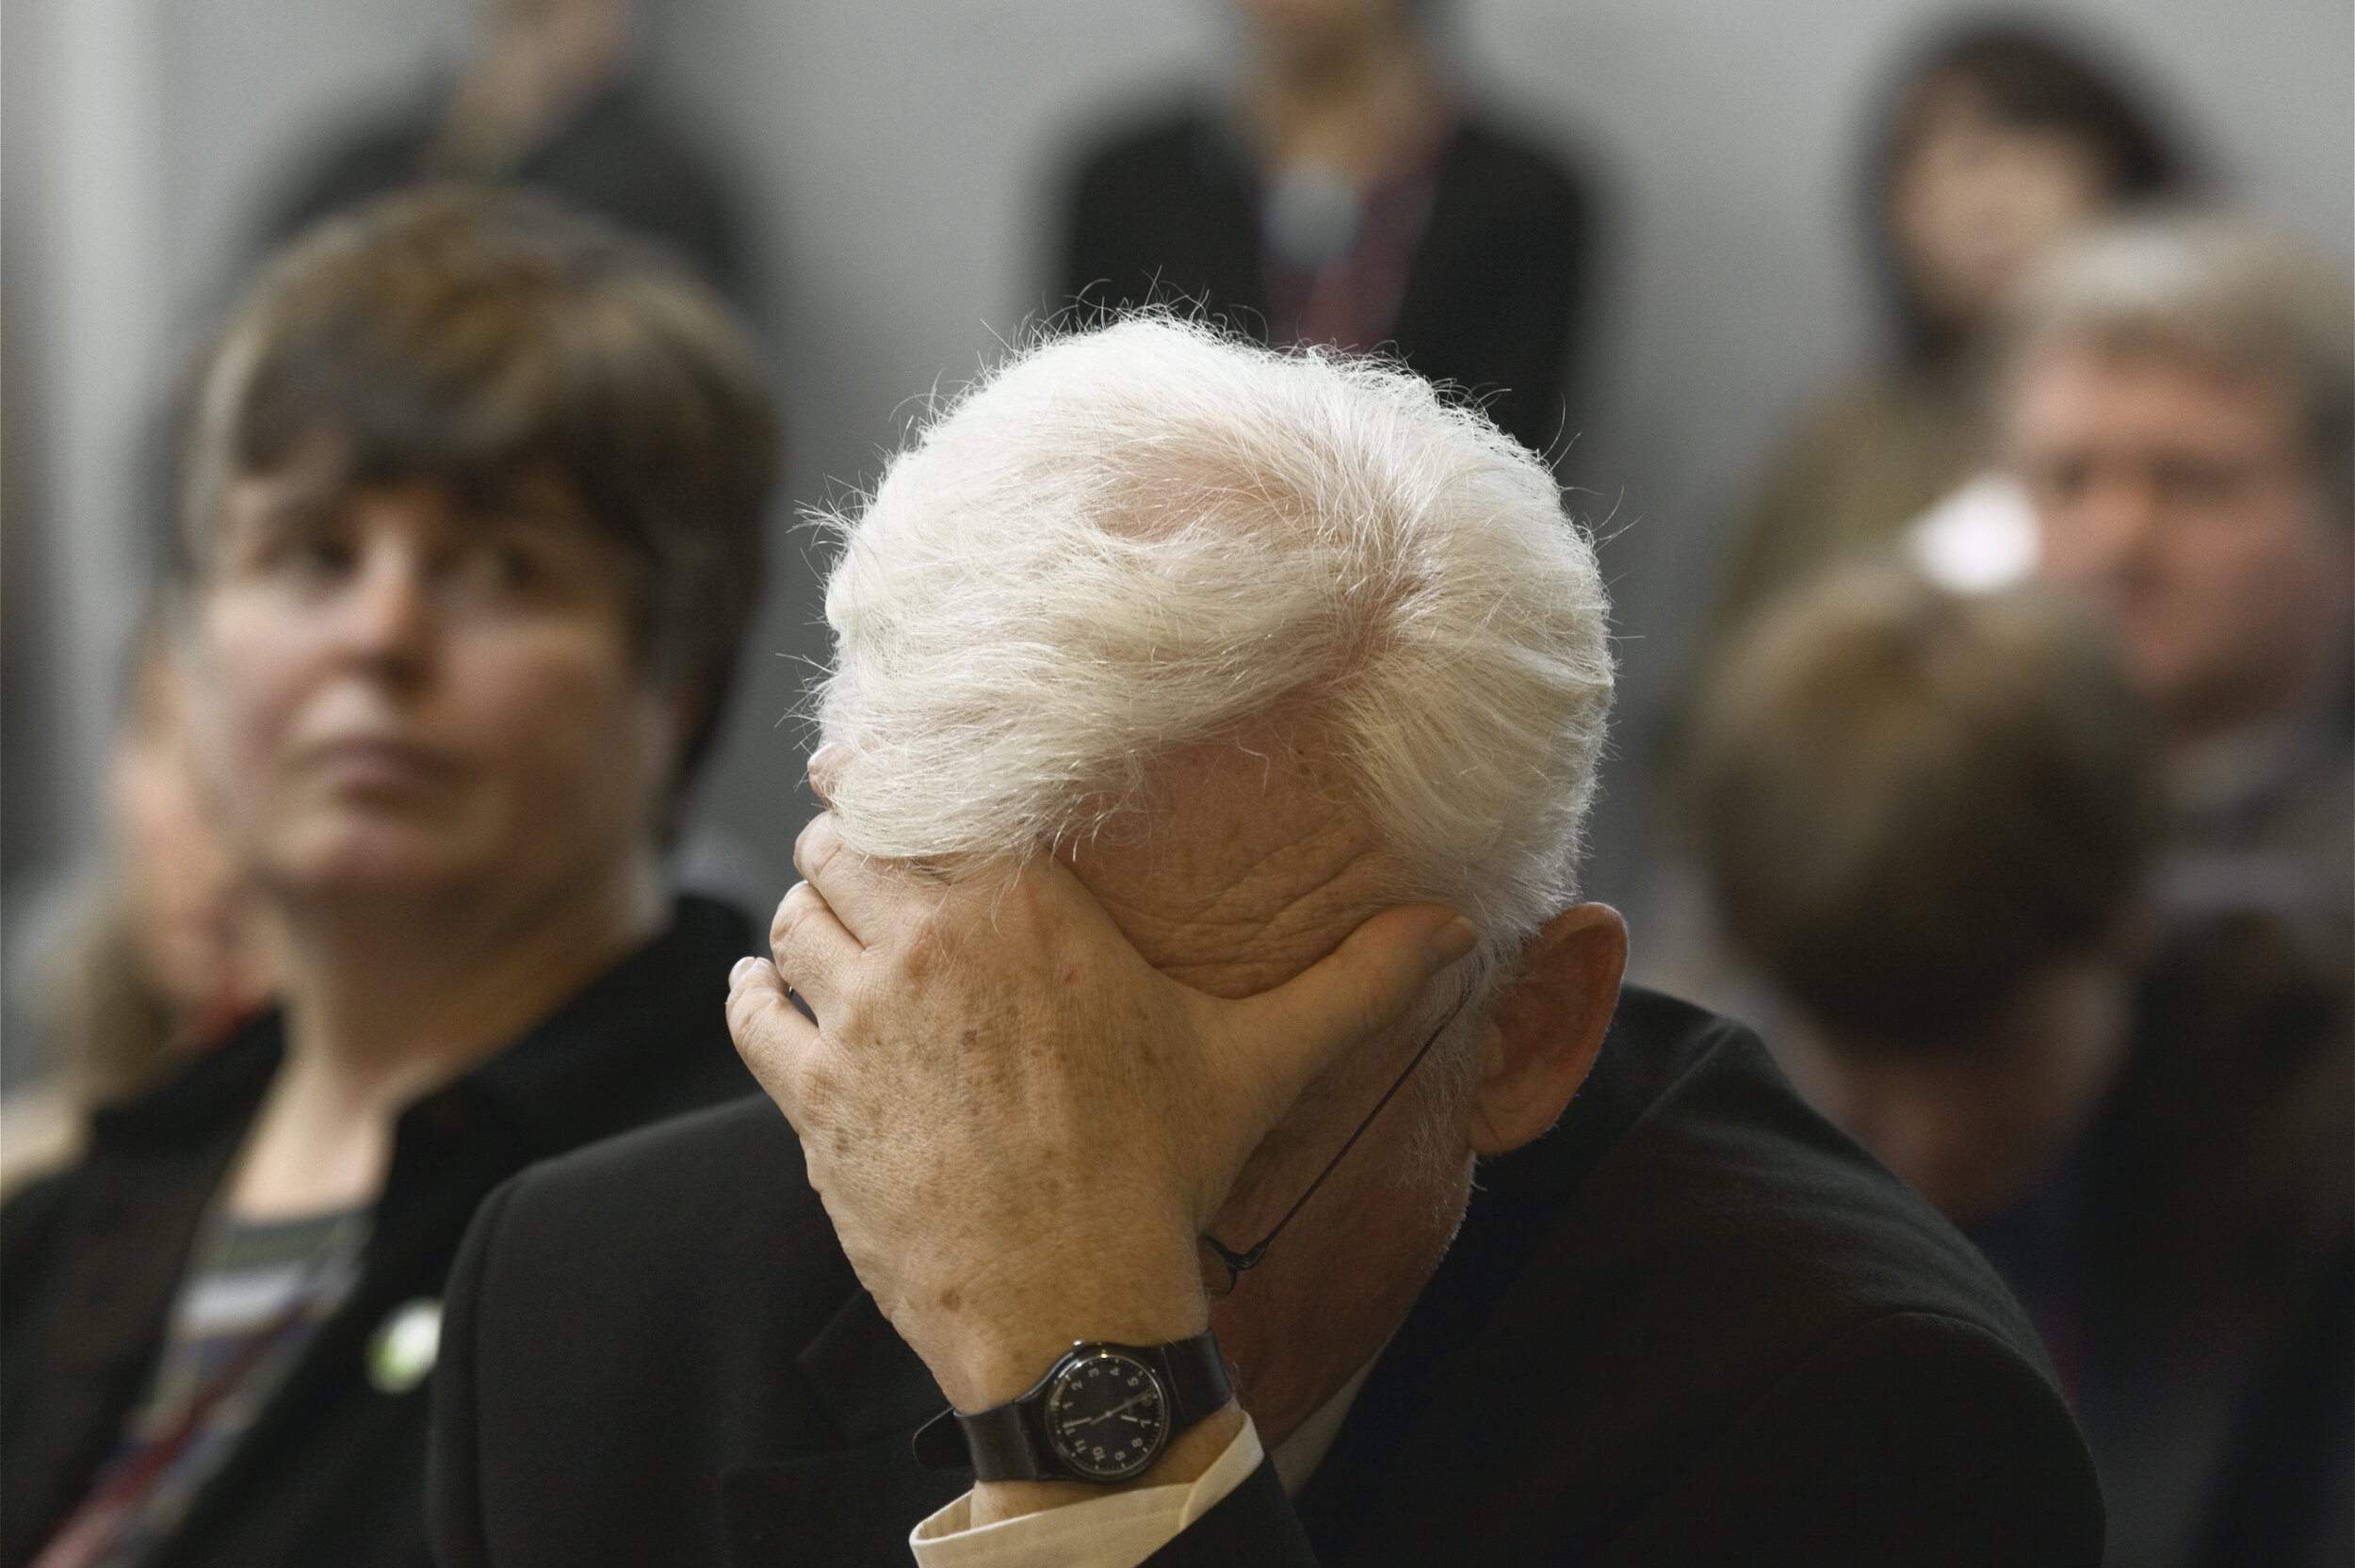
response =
{"points": [[1196, 1375], [997, 1443], [1009, 1442]]}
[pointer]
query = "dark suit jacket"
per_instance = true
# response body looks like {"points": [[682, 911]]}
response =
{"points": [[615, 156], [1168, 215], [1692, 1325], [332, 1472]]}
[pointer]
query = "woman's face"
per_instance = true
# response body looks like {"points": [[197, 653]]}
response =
{"points": [[1310, 29], [402, 694], [1975, 200]]}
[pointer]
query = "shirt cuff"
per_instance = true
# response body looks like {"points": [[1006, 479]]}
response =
{"points": [[1119, 1529]]}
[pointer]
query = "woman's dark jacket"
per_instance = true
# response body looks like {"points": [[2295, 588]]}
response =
{"points": [[1168, 215], [331, 1471]]}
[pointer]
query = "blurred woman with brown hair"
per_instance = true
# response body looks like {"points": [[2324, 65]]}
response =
{"points": [[473, 499]]}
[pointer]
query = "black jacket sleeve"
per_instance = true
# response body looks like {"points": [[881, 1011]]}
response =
{"points": [[1915, 1439], [1252, 1525], [453, 1495], [29, 1222]]}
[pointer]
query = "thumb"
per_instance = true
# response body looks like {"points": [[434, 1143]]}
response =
{"points": [[1364, 986]]}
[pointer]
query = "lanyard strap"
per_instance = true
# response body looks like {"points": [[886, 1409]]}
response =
{"points": [[1239, 1262]]}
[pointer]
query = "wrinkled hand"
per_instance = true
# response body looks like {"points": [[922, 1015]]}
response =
{"points": [[1017, 1125]]}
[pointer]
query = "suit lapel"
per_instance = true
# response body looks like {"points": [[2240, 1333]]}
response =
{"points": [[108, 1313], [856, 1505], [153, 1165]]}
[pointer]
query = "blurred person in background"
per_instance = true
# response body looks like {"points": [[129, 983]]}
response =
{"points": [[2179, 406], [1927, 820], [2001, 139], [166, 956], [1924, 817], [1347, 196], [548, 97], [473, 496]]}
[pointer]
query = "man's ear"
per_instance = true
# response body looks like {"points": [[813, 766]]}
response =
{"points": [[1542, 1036]]}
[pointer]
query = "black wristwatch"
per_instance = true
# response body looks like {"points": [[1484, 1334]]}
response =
{"points": [[1102, 1413]]}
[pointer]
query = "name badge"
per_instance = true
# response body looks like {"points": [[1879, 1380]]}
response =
{"points": [[404, 1346]]}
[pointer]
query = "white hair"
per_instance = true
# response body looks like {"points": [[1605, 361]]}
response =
{"points": [[1151, 535]]}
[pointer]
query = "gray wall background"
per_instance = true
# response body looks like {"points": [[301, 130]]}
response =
{"points": [[902, 159]]}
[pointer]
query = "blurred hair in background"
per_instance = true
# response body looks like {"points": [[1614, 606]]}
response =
{"points": [[1924, 817], [2002, 135], [1349, 194]]}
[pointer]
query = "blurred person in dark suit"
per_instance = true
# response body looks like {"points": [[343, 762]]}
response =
{"points": [[2179, 403], [1348, 196], [548, 97], [472, 498], [2213, 1196], [1999, 139], [1926, 819]]}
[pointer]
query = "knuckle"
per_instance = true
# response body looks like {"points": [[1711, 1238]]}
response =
{"points": [[818, 845], [792, 910]]}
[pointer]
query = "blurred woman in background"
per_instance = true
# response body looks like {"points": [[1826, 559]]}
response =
{"points": [[1347, 197], [473, 499], [164, 956], [1998, 142]]}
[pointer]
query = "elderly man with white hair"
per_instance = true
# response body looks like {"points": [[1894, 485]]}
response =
{"points": [[1212, 1127]]}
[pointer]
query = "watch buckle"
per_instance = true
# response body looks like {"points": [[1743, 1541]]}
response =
{"points": [[939, 1444]]}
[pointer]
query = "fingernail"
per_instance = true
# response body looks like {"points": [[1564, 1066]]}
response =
{"points": [[743, 966], [1448, 944]]}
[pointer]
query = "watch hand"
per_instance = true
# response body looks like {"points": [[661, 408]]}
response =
{"points": [[1106, 1416]]}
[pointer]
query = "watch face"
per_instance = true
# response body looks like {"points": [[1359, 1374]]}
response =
{"points": [[1106, 1416]]}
